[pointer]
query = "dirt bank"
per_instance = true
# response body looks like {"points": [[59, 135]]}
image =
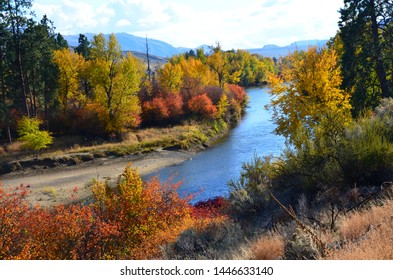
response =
{"points": [[55, 185]]}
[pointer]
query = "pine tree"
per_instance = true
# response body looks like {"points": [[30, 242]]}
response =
{"points": [[365, 27]]}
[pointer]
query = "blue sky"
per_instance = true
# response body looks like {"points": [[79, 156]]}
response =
{"points": [[191, 23]]}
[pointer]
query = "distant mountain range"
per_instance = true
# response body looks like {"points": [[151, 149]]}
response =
{"points": [[276, 51], [159, 48]]}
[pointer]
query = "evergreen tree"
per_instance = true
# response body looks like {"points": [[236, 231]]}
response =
{"points": [[364, 30], [84, 46]]}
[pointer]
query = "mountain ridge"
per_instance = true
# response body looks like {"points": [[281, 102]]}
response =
{"points": [[129, 42]]}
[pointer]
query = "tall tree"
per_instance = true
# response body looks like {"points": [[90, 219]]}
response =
{"points": [[308, 94], [14, 15], [219, 63], [70, 66], [116, 81], [83, 47], [364, 26]]}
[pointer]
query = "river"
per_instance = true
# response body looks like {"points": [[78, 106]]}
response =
{"points": [[206, 175]]}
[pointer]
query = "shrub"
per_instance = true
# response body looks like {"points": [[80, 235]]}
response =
{"points": [[301, 247], [142, 212], [13, 213], [239, 93], [214, 93], [202, 107], [366, 155], [130, 221], [174, 102], [163, 109], [155, 110], [249, 193], [360, 155], [218, 240], [211, 208], [30, 133]]}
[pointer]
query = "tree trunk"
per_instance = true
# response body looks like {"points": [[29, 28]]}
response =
{"points": [[9, 136]]}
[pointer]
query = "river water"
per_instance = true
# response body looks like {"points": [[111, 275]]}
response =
{"points": [[206, 175]]}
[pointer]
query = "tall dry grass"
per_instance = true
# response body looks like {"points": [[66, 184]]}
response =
{"points": [[268, 248], [366, 235]]}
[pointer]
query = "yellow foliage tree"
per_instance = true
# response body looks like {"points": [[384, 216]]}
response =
{"points": [[196, 75], [170, 77], [220, 64], [69, 65], [222, 107], [308, 94], [116, 80]]}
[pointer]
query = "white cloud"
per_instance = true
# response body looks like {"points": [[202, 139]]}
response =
{"points": [[123, 23], [236, 24]]}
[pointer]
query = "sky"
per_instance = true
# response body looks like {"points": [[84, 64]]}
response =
{"points": [[190, 23]]}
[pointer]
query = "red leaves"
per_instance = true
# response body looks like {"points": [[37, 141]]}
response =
{"points": [[61, 232], [239, 93], [155, 110], [132, 220], [164, 108], [202, 106], [211, 208]]}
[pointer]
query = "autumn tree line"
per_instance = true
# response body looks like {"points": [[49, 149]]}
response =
{"points": [[96, 88]]}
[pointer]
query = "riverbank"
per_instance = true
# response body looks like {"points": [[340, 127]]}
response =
{"points": [[55, 186], [52, 178]]}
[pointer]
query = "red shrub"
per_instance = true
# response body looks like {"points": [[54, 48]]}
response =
{"points": [[13, 215], [174, 103], [202, 106], [211, 208], [238, 92], [163, 108], [130, 221], [155, 110]]}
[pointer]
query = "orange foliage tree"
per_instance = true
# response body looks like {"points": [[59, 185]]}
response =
{"points": [[142, 211], [202, 107], [129, 221]]}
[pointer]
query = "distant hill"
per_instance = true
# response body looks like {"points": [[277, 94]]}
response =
{"points": [[277, 51], [156, 62], [162, 49], [130, 42]]}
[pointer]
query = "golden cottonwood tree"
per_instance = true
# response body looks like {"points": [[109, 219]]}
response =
{"points": [[116, 80], [196, 75], [220, 64], [69, 65], [308, 93], [171, 77]]}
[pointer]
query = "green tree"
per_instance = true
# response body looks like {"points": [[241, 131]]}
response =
{"points": [[14, 16], [30, 133], [365, 29], [39, 41], [84, 46]]}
